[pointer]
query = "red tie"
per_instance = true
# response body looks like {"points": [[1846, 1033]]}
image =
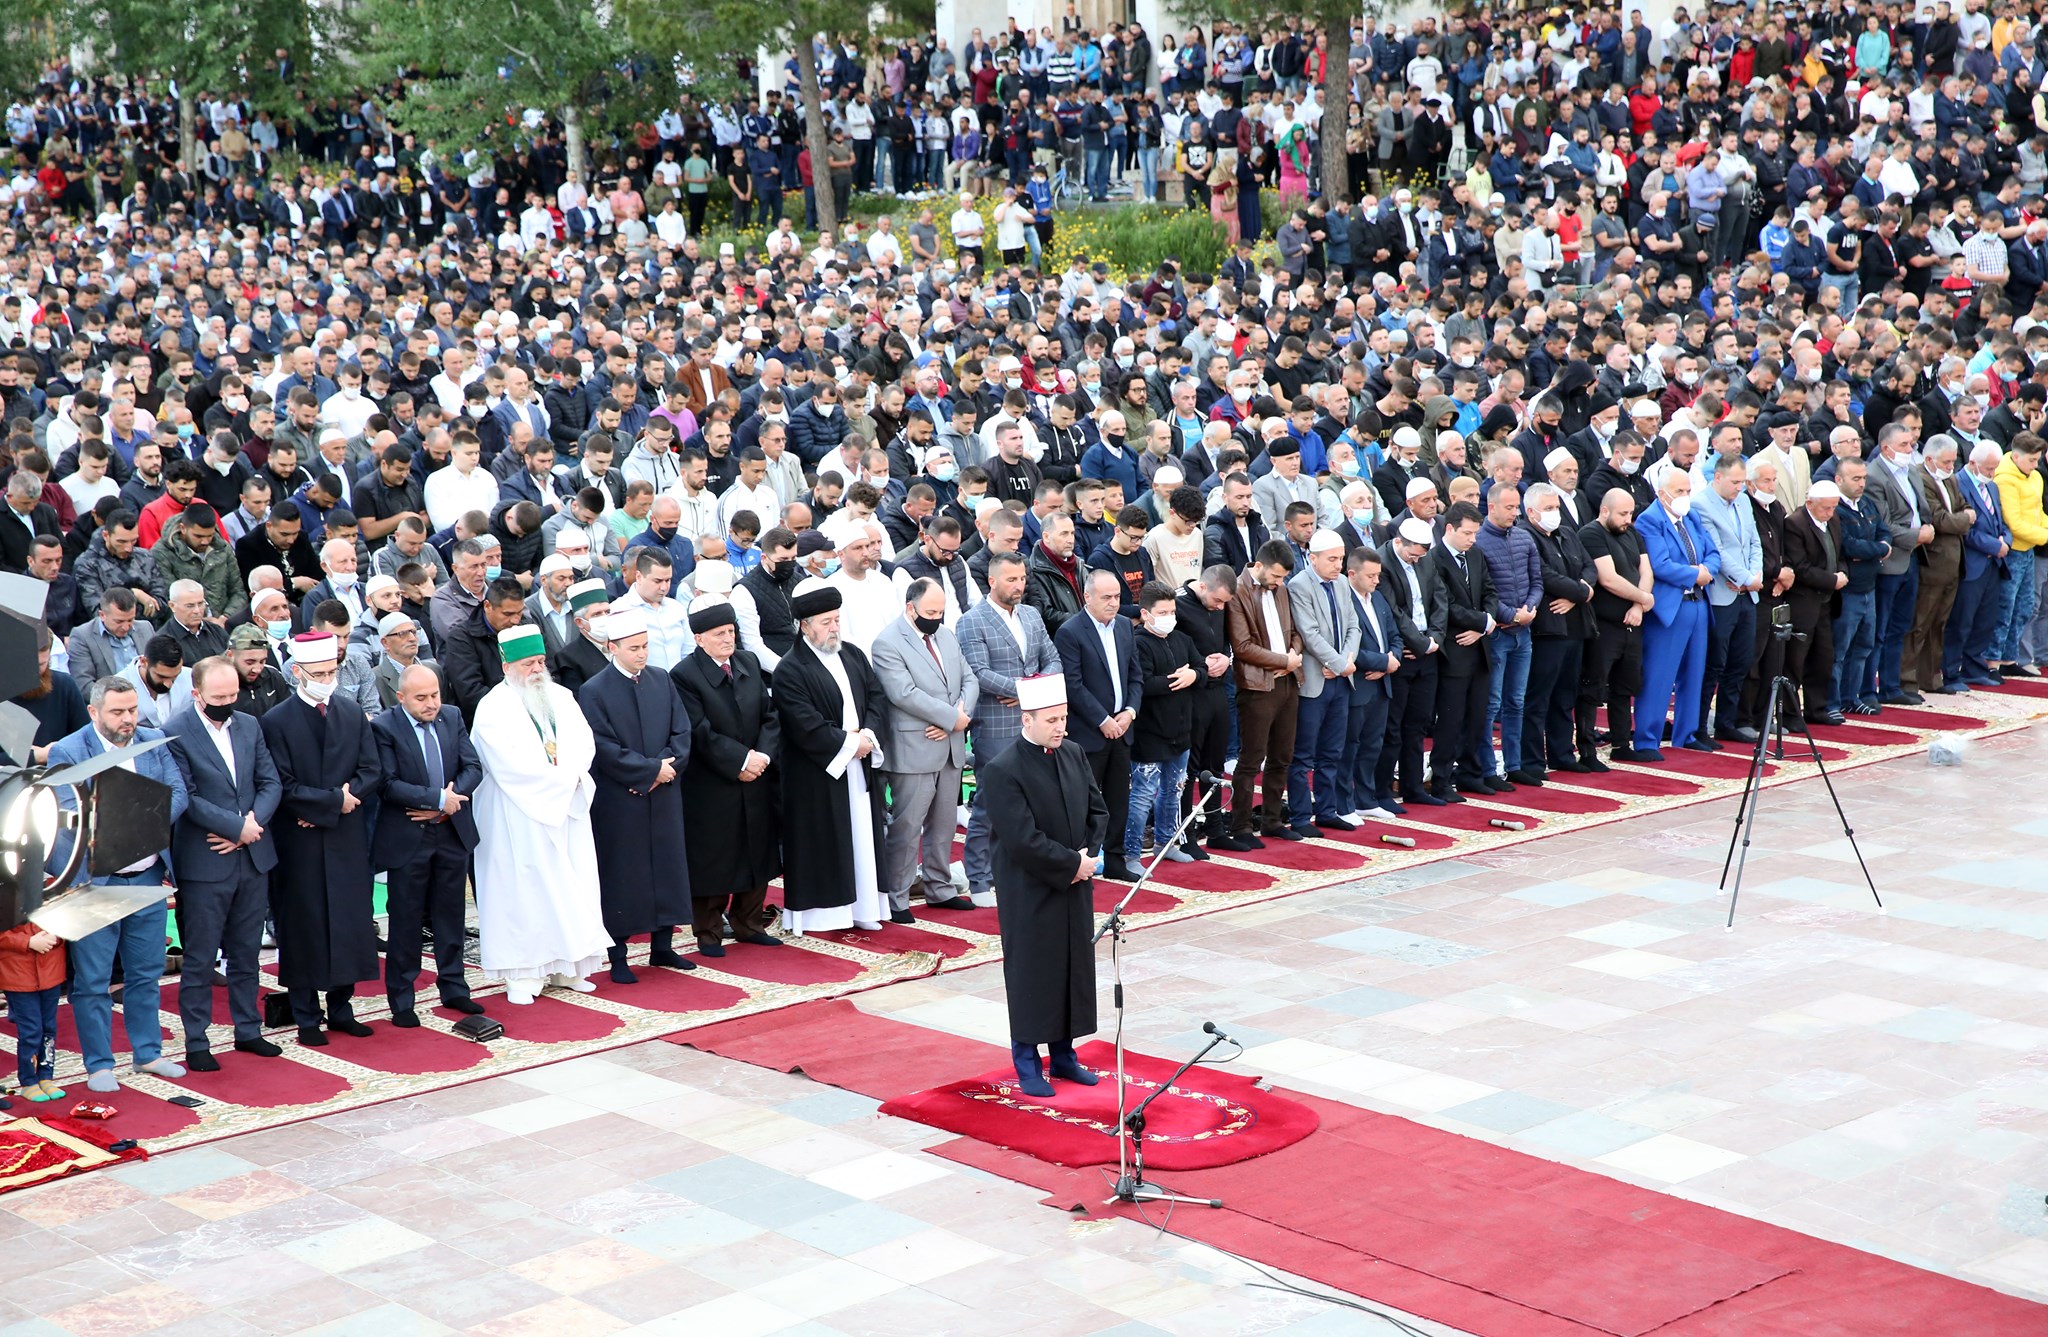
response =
{"points": [[728, 670], [935, 655], [322, 708]]}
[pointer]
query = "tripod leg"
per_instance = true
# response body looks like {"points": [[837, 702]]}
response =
{"points": [[1746, 819], [1847, 830], [1749, 784]]}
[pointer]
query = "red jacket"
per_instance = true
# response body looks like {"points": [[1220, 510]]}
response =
{"points": [[24, 971]]}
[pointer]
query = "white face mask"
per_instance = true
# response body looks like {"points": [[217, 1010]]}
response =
{"points": [[579, 561], [1242, 394], [316, 693], [1628, 467], [342, 580], [1163, 626], [1548, 521], [1983, 401], [824, 410], [1688, 378], [1680, 506], [1764, 499]]}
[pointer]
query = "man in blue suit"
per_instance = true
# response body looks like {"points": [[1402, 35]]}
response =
{"points": [[1684, 562], [1372, 690], [1972, 622], [1099, 656], [137, 941], [224, 853], [423, 839]]}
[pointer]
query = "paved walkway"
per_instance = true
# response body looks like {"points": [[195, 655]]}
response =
{"points": [[1881, 1081]]}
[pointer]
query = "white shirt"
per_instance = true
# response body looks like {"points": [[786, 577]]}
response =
{"points": [[1016, 626], [1106, 633], [748, 614], [668, 629], [221, 740], [700, 513], [1276, 639], [760, 499], [450, 493]]}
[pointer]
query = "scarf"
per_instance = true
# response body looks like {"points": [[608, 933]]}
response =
{"points": [[1066, 566]]}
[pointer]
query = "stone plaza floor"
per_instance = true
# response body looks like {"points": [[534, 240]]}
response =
{"points": [[1879, 1081]]}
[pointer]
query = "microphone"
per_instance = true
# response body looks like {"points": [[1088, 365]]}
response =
{"points": [[1211, 1028], [1205, 778]]}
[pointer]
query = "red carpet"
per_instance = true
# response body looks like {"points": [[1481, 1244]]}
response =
{"points": [[775, 965], [659, 990], [1368, 834], [1210, 875], [1869, 732], [2018, 687], [904, 937], [1473, 815], [1569, 802], [1621, 779], [1208, 1118], [271, 1083], [1302, 855], [409, 1051], [1906, 717], [37, 1148], [1453, 1228], [545, 1021]]}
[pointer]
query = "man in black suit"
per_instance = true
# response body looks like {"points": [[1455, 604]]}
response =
{"points": [[1466, 592], [423, 839], [29, 518], [1410, 583], [1103, 697], [223, 851], [1236, 531]]}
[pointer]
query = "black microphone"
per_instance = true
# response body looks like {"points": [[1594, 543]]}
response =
{"points": [[1211, 1028], [1205, 778]]}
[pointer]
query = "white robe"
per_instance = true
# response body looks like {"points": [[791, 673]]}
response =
{"points": [[536, 864], [867, 906]]}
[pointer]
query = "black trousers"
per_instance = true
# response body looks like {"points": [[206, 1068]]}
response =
{"points": [[1767, 662], [306, 1000], [216, 917], [1610, 674], [1460, 715], [1208, 747], [1547, 703], [1409, 720], [1811, 663], [1111, 768], [428, 890]]}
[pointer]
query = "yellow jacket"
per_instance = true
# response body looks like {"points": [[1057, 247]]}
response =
{"points": [[2019, 496]]}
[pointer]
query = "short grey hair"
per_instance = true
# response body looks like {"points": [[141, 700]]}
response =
{"points": [[25, 485], [1542, 492], [1941, 443], [102, 688]]}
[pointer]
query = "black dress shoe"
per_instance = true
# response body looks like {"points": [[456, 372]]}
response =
{"points": [[468, 1007], [201, 1060], [405, 1020], [1336, 824], [259, 1046], [312, 1036], [1594, 766], [1525, 776], [349, 1026], [951, 903], [905, 917]]}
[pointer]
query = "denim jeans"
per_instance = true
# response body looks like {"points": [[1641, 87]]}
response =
{"points": [[1897, 596], [2015, 606], [1855, 650], [1511, 650], [1098, 173], [1844, 287], [1155, 794], [1148, 172], [34, 1014], [138, 941]]}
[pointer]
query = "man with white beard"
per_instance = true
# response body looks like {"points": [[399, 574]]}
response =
{"points": [[536, 863]]}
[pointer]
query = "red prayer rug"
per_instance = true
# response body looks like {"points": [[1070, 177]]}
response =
{"points": [[35, 1151]]}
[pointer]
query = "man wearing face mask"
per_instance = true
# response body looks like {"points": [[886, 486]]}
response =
{"points": [[320, 890], [548, 606], [1683, 563], [933, 695], [760, 598]]}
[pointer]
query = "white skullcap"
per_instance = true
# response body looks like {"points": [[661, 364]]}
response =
{"points": [[1416, 530], [1824, 491], [1325, 540], [1645, 408], [625, 622], [313, 649], [1418, 486], [1557, 457], [552, 563], [1405, 436], [1168, 476], [380, 582], [1042, 691]]}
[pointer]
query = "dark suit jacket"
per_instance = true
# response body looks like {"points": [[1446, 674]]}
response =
{"points": [[1466, 599], [15, 537], [1394, 589], [1813, 591], [1373, 647], [407, 784], [1222, 543], [216, 802], [1091, 696]]}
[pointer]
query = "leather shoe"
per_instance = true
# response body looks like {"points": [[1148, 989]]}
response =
{"points": [[468, 1007], [313, 1036], [259, 1046], [406, 1020], [1525, 776], [905, 917], [1336, 824], [1118, 870], [1742, 734], [953, 903]]}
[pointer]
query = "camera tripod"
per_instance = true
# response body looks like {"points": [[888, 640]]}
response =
{"points": [[1782, 691]]}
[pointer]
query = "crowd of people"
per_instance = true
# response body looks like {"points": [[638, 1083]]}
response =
{"points": [[616, 580]]}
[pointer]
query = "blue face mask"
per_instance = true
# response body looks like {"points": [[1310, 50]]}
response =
{"points": [[945, 473], [184, 431], [277, 631], [1348, 468], [493, 572], [831, 565]]}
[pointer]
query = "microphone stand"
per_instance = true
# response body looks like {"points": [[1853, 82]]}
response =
{"points": [[1130, 1126]]}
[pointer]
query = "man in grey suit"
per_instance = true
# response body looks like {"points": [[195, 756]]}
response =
{"points": [[1898, 575], [110, 642], [1328, 622], [1002, 640], [223, 852], [931, 702]]}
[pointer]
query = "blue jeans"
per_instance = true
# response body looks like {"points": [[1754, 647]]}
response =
{"points": [[1731, 641], [1511, 650], [34, 1015], [138, 941], [2015, 606], [1155, 795], [1855, 650], [1844, 288], [1896, 598], [1148, 172], [1098, 174]]}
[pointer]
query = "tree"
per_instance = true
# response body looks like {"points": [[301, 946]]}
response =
{"points": [[32, 36], [203, 46], [1334, 17]]}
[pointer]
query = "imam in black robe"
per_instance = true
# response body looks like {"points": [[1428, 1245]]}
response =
{"points": [[321, 889], [576, 661], [1051, 811], [737, 848], [643, 867], [817, 869]]}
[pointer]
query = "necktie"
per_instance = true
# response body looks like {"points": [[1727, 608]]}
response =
{"points": [[1692, 554], [727, 667], [322, 708], [430, 748], [935, 656], [1330, 596]]}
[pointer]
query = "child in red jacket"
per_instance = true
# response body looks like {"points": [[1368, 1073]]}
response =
{"points": [[32, 976]]}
